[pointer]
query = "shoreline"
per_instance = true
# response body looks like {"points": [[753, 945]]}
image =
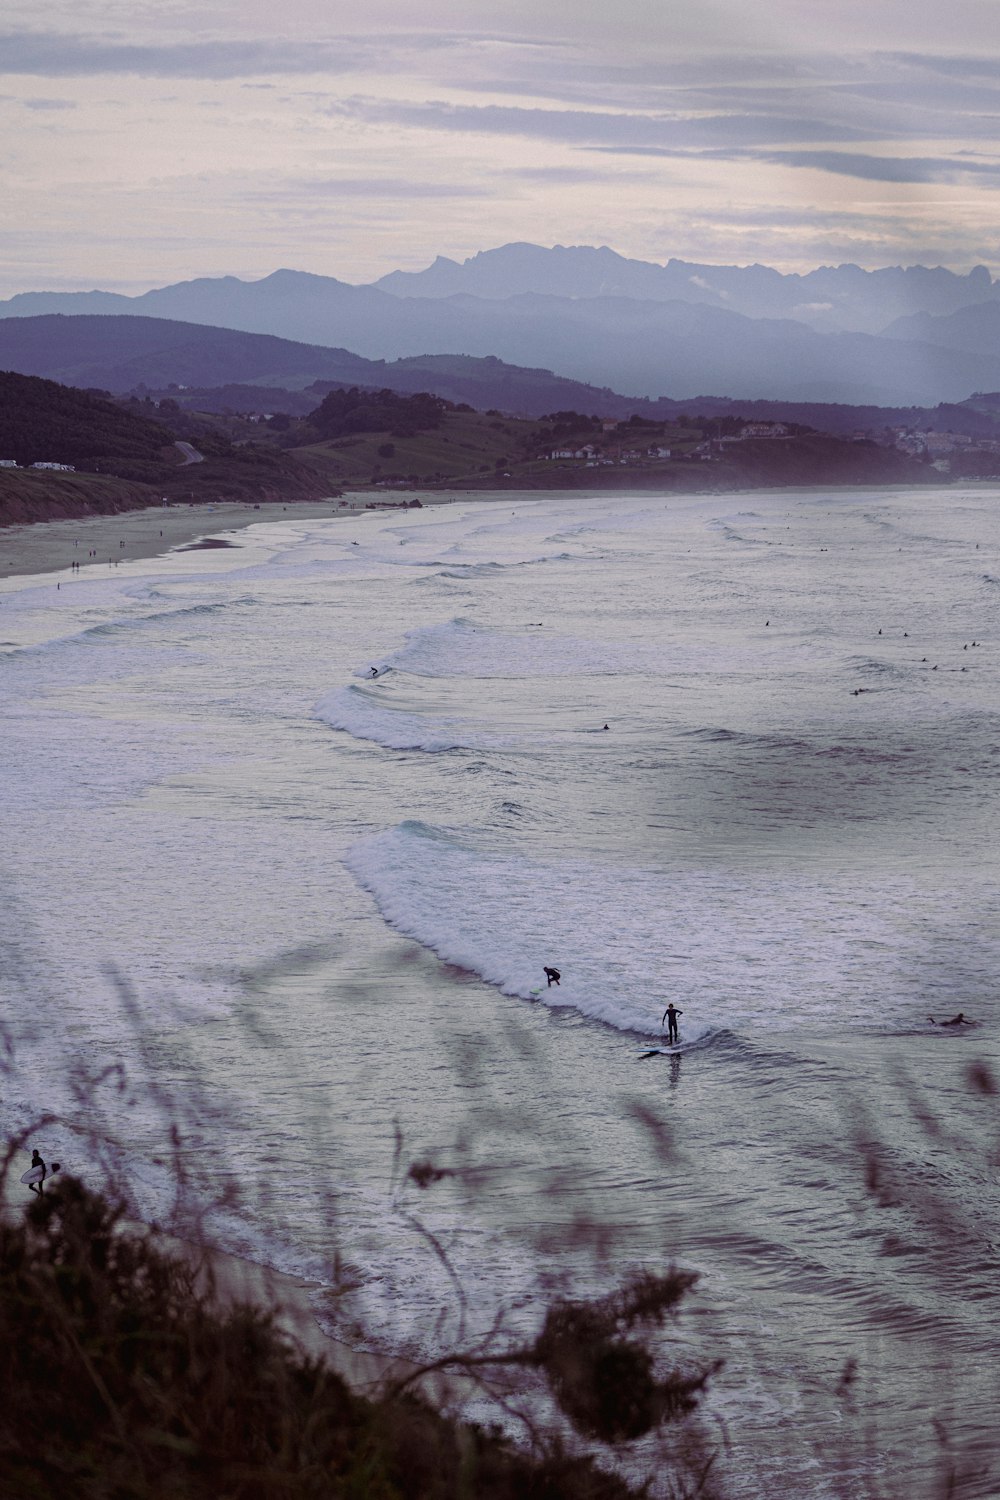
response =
{"points": [[34, 547], [234, 1281], [38, 547], [51, 547]]}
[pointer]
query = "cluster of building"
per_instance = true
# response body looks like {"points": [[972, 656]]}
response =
{"points": [[611, 454], [12, 463], [595, 457], [920, 444], [938, 448]]}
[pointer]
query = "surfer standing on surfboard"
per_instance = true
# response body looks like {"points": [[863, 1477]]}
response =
{"points": [[670, 1016]]}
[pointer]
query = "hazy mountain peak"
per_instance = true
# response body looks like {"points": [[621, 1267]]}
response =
{"points": [[648, 329], [522, 267], [285, 278], [194, 281], [845, 297]]}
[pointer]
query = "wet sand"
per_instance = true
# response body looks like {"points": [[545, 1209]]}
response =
{"points": [[53, 546]]}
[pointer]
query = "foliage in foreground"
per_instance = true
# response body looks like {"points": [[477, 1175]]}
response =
{"points": [[119, 1377]]}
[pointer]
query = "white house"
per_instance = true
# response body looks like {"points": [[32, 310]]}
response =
{"points": [[587, 451], [63, 468], [945, 442]]}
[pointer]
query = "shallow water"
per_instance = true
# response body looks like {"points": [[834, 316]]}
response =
{"points": [[331, 894]]}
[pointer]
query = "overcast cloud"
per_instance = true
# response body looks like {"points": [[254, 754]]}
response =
{"points": [[149, 143]]}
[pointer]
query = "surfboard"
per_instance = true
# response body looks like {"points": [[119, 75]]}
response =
{"points": [[662, 1051], [35, 1174]]}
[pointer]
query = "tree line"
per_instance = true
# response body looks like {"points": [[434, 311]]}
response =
{"points": [[44, 422]]}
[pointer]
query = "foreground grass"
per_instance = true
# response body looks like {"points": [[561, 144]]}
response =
{"points": [[119, 1378]]}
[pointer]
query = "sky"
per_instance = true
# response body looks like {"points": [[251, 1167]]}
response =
{"points": [[146, 144]]}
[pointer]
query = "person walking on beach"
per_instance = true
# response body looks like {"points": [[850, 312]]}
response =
{"points": [[552, 976], [670, 1016], [36, 1162]]}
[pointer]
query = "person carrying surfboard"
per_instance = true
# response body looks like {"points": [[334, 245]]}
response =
{"points": [[36, 1162], [670, 1016]]}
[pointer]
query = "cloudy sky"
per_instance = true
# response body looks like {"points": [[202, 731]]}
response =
{"points": [[149, 143]]}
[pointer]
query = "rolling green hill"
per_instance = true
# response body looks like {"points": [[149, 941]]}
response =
{"points": [[480, 449], [124, 458], [41, 421], [386, 439]]}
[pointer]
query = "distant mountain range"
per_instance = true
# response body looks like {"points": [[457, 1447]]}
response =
{"points": [[221, 369], [831, 299], [896, 337], [122, 354]]}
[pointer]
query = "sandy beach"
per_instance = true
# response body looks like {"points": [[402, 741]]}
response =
{"points": [[53, 546]]}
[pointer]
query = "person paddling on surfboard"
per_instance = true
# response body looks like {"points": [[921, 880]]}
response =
{"points": [[958, 1020], [552, 976], [670, 1016], [36, 1162]]}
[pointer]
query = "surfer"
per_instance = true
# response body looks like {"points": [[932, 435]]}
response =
{"points": [[958, 1020], [36, 1162], [670, 1016], [552, 976], [374, 671]]}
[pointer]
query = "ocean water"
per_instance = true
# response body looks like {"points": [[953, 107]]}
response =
{"points": [[301, 908]]}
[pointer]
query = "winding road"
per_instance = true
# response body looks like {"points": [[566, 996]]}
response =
{"points": [[191, 455]]}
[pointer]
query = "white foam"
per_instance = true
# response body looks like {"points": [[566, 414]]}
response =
{"points": [[740, 951], [463, 648], [365, 714]]}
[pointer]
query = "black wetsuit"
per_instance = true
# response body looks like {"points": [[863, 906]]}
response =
{"points": [[36, 1161]]}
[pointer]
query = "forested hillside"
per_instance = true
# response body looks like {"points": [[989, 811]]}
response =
{"points": [[125, 457], [42, 422], [342, 412]]}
